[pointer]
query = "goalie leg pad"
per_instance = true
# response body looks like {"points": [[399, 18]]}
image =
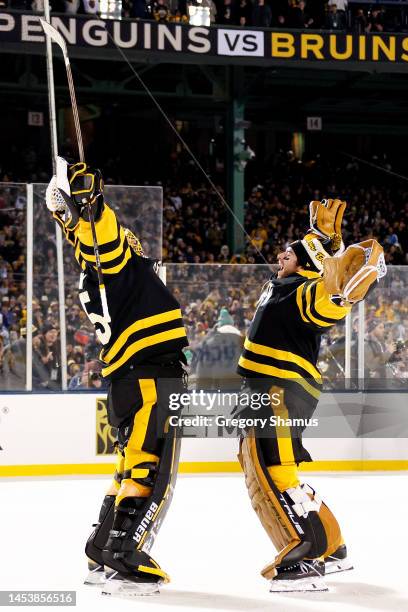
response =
{"points": [[329, 522], [290, 518], [138, 519], [332, 528]]}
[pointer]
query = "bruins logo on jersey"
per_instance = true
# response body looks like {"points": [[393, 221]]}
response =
{"points": [[134, 243]]}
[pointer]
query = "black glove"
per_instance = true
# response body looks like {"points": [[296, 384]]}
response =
{"points": [[80, 185]]}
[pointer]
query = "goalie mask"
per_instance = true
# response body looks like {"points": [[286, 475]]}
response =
{"points": [[85, 182]]}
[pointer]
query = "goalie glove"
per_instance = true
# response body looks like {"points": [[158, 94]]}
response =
{"points": [[325, 221], [351, 274], [72, 189]]}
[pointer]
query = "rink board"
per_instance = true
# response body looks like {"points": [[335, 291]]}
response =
{"points": [[48, 434]]}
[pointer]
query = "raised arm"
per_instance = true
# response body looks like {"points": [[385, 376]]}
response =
{"points": [[66, 197]]}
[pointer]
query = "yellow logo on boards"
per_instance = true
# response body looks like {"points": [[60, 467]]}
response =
{"points": [[105, 437]]}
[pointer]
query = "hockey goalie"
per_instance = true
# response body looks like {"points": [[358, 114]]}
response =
{"points": [[316, 285], [139, 325]]}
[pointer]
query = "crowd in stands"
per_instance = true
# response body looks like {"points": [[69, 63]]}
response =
{"points": [[299, 14], [194, 232], [276, 211]]}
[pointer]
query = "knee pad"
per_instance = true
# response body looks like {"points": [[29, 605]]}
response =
{"points": [[291, 518], [140, 478], [98, 538], [138, 519]]}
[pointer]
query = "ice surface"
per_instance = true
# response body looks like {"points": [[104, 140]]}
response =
{"points": [[211, 544]]}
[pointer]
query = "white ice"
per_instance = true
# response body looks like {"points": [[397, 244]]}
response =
{"points": [[210, 543]]}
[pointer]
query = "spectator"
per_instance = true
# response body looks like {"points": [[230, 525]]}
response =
{"points": [[71, 6], [50, 334], [90, 7], [245, 13], [335, 20], [224, 256], [378, 352], [261, 14], [227, 13], [341, 6], [375, 21], [161, 11], [298, 18], [137, 9], [360, 21], [210, 4]]}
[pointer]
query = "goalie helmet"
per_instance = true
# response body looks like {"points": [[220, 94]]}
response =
{"points": [[310, 253], [86, 183]]}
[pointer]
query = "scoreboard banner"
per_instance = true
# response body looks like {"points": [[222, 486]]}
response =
{"points": [[194, 41]]}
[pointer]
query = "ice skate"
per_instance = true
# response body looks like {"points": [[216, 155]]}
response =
{"points": [[338, 561], [96, 574], [118, 586], [299, 577]]}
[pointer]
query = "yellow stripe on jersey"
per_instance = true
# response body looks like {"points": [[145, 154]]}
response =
{"points": [[122, 264], [139, 345], [325, 307], [106, 257], [309, 274], [260, 349], [309, 303], [106, 228], [77, 251], [158, 319], [299, 292], [261, 368]]}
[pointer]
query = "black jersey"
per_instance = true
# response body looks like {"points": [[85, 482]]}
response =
{"points": [[283, 340], [145, 319]]}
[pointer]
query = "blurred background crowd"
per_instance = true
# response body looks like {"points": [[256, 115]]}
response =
{"points": [[218, 301], [363, 16]]}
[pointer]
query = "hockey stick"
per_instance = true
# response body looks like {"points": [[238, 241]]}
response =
{"points": [[56, 37]]}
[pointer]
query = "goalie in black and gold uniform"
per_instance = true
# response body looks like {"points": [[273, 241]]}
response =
{"points": [[139, 325], [312, 291]]}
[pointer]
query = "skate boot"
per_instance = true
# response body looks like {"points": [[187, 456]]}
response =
{"points": [[135, 583], [338, 561], [306, 575], [130, 570]]}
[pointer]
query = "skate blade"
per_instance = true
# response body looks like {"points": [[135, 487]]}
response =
{"points": [[301, 585], [127, 588], [340, 565], [95, 578]]}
